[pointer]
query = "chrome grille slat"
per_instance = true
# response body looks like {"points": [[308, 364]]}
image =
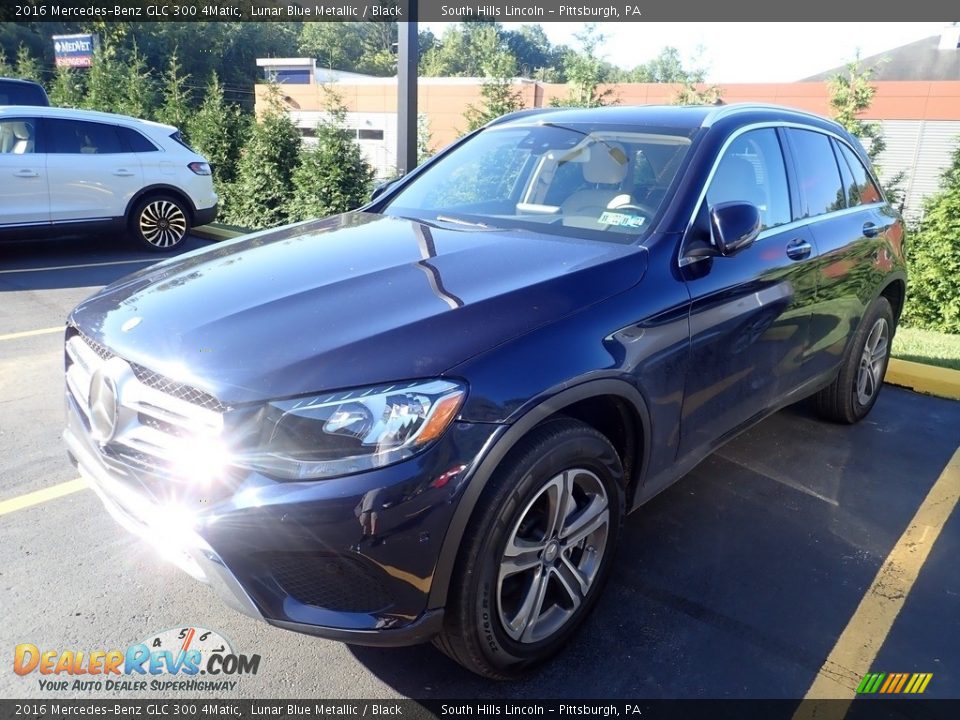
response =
{"points": [[158, 418]]}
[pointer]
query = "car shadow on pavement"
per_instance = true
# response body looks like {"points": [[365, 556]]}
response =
{"points": [[75, 262], [736, 581]]}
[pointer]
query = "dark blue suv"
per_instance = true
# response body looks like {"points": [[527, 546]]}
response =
{"points": [[428, 418]]}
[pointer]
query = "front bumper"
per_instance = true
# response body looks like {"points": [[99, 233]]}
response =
{"points": [[350, 559]]}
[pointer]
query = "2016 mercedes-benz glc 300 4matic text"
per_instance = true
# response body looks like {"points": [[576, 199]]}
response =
{"points": [[428, 418]]}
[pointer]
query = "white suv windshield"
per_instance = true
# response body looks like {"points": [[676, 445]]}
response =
{"points": [[599, 181]]}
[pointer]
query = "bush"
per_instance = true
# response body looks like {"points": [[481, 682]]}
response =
{"points": [[933, 259], [333, 175]]}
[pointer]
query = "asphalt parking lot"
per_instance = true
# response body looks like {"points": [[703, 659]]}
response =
{"points": [[737, 582]]}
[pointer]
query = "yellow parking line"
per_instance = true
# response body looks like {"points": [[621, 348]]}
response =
{"points": [[858, 645], [22, 502], [31, 333]]}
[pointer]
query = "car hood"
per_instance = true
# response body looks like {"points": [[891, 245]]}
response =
{"points": [[351, 300]]}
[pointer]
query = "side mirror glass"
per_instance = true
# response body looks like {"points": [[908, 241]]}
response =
{"points": [[734, 226]]}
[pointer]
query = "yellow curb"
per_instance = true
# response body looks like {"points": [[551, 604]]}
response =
{"points": [[927, 379], [215, 232]]}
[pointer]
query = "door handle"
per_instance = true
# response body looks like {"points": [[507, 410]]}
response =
{"points": [[26, 173], [870, 230], [799, 249], [123, 172]]}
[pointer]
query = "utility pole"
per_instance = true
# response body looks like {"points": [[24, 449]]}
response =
{"points": [[407, 70]]}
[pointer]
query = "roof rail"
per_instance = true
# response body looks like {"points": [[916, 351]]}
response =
{"points": [[727, 110], [521, 113]]}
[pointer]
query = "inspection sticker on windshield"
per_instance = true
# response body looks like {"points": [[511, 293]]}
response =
{"points": [[621, 219]]}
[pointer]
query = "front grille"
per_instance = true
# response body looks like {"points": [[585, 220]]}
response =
{"points": [[153, 424], [178, 390], [334, 582]]}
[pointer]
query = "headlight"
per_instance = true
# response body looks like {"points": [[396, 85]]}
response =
{"points": [[353, 430]]}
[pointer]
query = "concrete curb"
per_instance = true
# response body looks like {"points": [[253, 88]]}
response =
{"points": [[927, 379], [217, 232]]}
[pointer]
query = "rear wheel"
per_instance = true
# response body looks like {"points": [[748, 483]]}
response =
{"points": [[850, 397], [160, 223], [537, 552]]}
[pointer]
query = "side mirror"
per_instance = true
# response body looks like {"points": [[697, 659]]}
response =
{"points": [[734, 226], [381, 187]]}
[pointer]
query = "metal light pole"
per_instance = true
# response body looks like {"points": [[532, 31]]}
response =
{"points": [[408, 55]]}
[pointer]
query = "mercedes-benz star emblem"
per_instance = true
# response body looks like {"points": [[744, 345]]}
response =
{"points": [[104, 406]]}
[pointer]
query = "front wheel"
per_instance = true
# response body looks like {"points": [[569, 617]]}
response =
{"points": [[537, 552], [160, 223], [850, 397]]}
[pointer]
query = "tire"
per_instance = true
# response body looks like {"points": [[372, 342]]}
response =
{"points": [[851, 396], [160, 223], [485, 627]]}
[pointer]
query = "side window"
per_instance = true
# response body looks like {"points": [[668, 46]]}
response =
{"points": [[752, 170], [862, 190], [18, 136], [134, 141], [821, 190], [77, 137]]}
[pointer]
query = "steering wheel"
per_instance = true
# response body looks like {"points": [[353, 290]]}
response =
{"points": [[642, 209]]}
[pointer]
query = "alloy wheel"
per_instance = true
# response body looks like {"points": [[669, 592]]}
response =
{"points": [[553, 555], [873, 361], [162, 223]]}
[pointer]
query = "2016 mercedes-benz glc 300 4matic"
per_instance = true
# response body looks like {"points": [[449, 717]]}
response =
{"points": [[428, 418]]}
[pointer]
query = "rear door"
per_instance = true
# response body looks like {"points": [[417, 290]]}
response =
{"points": [[849, 220], [91, 175], [750, 312], [24, 193]]}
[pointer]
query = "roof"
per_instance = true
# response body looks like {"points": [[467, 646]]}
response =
{"points": [[20, 81], [920, 60], [73, 114], [684, 116]]}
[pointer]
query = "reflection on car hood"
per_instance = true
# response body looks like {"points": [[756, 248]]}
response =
{"points": [[350, 300]]}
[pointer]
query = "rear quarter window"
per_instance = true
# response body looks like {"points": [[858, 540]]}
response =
{"points": [[134, 141]]}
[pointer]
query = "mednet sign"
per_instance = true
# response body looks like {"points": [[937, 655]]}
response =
{"points": [[74, 50]]}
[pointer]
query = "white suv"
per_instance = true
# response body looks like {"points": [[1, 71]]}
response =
{"points": [[67, 172]]}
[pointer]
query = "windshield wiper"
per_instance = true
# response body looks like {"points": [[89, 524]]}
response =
{"points": [[467, 223]]}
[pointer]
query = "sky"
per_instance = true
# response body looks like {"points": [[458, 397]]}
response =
{"points": [[745, 52]]}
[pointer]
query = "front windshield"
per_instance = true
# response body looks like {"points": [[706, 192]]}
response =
{"points": [[592, 181]]}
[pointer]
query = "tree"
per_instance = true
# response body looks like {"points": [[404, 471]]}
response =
{"points": [[104, 80], [666, 67], [218, 131], [498, 93], [463, 50], [264, 182], [137, 91], [68, 88], [933, 257], [693, 94], [850, 95], [333, 176], [365, 47], [424, 137], [585, 73], [175, 97], [27, 67]]}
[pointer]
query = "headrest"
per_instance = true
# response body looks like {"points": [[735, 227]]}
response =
{"points": [[22, 130], [607, 164]]}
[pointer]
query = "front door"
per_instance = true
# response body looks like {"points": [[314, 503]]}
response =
{"points": [[24, 196], [750, 312]]}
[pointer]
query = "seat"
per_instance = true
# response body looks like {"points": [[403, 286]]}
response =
{"points": [[23, 138], [606, 165]]}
